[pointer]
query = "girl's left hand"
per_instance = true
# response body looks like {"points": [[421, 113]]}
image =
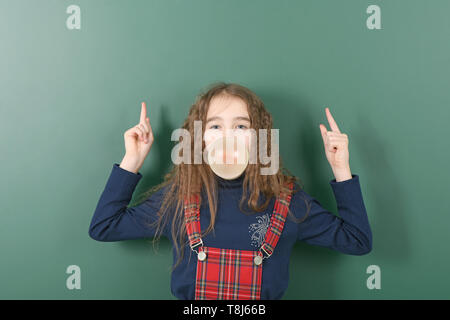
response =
{"points": [[336, 146]]}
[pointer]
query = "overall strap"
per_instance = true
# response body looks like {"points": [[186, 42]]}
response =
{"points": [[279, 215], [192, 219]]}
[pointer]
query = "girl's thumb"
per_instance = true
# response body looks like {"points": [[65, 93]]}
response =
{"points": [[323, 131]]}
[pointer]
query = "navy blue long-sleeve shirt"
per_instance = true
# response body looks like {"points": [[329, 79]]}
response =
{"points": [[350, 233]]}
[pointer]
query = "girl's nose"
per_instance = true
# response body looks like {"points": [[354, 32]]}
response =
{"points": [[229, 150]]}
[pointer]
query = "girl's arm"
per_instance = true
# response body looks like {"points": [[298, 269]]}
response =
{"points": [[113, 220], [350, 233]]}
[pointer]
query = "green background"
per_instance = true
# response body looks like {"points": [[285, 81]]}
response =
{"points": [[67, 96]]}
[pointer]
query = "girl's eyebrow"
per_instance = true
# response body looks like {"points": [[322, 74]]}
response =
{"points": [[220, 118], [242, 118]]}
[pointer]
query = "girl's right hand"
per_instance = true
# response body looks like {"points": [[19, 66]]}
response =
{"points": [[138, 141]]}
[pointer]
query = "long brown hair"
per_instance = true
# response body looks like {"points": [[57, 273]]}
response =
{"points": [[185, 179]]}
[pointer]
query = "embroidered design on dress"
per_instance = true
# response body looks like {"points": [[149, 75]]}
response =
{"points": [[258, 230]]}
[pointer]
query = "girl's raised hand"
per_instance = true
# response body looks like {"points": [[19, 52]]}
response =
{"points": [[138, 141], [336, 144]]}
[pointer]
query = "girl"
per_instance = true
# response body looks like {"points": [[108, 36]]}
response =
{"points": [[245, 213]]}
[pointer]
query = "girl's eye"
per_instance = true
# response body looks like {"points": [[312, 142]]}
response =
{"points": [[243, 126], [214, 126]]}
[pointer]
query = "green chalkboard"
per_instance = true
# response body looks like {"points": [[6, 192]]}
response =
{"points": [[70, 88]]}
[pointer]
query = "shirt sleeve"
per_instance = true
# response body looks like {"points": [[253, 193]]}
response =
{"points": [[350, 233], [113, 220]]}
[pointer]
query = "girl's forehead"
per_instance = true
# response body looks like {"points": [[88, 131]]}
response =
{"points": [[224, 106]]}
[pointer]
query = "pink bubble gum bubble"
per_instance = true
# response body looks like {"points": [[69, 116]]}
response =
{"points": [[228, 165]]}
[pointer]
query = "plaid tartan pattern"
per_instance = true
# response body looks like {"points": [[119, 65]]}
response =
{"points": [[280, 211], [227, 273], [192, 218]]}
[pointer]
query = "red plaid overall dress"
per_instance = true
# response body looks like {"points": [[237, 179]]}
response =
{"points": [[227, 273]]}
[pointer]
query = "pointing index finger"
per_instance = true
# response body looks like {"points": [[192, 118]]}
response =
{"points": [[143, 112], [334, 127]]}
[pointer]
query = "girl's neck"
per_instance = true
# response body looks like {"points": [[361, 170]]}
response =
{"points": [[232, 183]]}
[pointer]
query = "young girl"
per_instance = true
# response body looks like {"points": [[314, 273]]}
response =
{"points": [[247, 214]]}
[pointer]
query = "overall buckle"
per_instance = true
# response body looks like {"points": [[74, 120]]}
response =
{"points": [[267, 253], [200, 255], [197, 244], [259, 259]]}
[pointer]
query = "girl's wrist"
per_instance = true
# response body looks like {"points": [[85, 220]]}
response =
{"points": [[130, 164], [342, 174]]}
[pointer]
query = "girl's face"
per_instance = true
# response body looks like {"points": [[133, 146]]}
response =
{"points": [[227, 115]]}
